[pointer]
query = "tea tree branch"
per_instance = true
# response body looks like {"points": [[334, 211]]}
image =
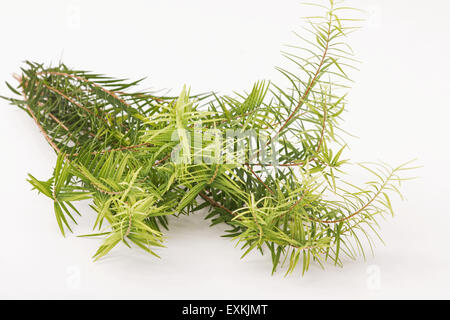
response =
{"points": [[268, 163]]}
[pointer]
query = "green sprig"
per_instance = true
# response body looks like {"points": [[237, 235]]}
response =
{"points": [[136, 155]]}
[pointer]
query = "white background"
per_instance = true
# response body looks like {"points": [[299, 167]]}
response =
{"points": [[399, 109]]}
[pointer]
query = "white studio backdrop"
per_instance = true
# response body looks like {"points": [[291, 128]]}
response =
{"points": [[399, 109]]}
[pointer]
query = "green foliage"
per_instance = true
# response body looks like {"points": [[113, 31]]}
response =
{"points": [[139, 158]]}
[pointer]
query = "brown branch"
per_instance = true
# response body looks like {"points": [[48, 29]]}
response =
{"points": [[353, 214], [322, 135], [111, 93], [101, 190], [118, 149], [292, 164], [49, 140], [345, 218], [59, 122], [79, 105], [162, 160], [215, 204], [214, 175], [297, 202], [311, 85], [260, 180], [359, 210], [129, 226], [141, 95]]}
